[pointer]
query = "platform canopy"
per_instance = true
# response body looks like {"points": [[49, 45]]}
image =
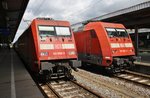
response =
{"points": [[134, 16], [11, 12], [138, 15]]}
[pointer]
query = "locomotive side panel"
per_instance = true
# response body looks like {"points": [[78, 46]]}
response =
{"points": [[22, 48], [33, 61], [88, 47], [103, 43], [26, 49]]}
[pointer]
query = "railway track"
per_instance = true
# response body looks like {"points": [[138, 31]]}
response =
{"points": [[135, 77], [67, 89]]}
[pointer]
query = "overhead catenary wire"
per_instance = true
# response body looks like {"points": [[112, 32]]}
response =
{"points": [[35, 12], [39, 6], [77, 13], [26, 21]]}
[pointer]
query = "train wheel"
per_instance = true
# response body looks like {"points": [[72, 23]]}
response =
{"points": [[110, 70], [83, 64], [68, 74], [41, 78]]}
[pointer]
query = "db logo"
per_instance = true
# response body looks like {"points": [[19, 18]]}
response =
{"points": [[122, 45], [58, 46]]}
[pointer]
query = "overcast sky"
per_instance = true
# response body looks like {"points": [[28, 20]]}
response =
{"points": [[71, 10]]}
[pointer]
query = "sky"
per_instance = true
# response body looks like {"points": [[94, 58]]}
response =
{"points": [[73, 11]]}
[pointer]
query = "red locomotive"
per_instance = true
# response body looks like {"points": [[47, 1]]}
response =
{"points": [[105, 44], [48, 48]]}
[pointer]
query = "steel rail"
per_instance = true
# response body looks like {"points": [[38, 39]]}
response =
{"points": [[135, 77], [85, 88], [78, 86], [54, 91]]}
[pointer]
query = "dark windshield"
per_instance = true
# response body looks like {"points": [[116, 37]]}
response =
{"points": [[53, 31], [122, 33], [46, 31], [112, 32]]}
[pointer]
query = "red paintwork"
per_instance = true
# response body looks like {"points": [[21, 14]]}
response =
{"points": [[101, 45], [29, 44]]}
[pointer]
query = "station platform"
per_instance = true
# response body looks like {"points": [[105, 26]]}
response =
{"points": [[15, 81], [142, 65], [145, 59]]}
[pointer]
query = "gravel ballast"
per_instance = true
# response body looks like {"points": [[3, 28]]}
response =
{"points": [[111, 87]]}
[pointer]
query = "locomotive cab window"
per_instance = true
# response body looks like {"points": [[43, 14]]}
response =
{"points": [[111, 32], [46, 31], [122, 33], [63, 31]]}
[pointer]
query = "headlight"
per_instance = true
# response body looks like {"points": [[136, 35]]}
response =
{"points": [[131, 50], [44, 54], [114, 51], [71, 52], [107, 57]]}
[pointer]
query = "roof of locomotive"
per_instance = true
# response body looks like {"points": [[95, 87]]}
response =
{"points": [[92, 24], [51, 22], [105, 24], [101, 27]]}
